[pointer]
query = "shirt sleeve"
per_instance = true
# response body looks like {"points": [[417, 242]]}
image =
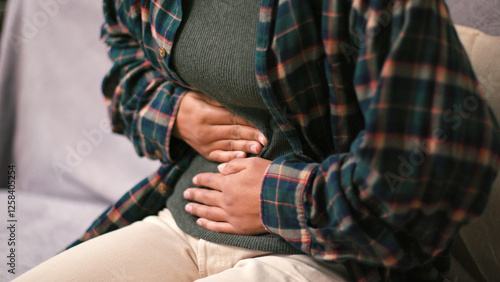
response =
{"points": [[425, 161], [142, 101]]}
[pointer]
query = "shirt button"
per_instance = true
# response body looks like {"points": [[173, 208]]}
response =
{"points": [[162, 188], [162, 52], [159, 154]]}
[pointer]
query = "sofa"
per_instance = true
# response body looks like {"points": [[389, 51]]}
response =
{"points": [[69, 167]]}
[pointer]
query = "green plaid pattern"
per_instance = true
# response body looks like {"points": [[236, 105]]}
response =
{"points": [[394, 146]]}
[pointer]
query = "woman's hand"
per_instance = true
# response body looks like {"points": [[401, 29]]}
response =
{"points": [[213, 131], [233, 204]]}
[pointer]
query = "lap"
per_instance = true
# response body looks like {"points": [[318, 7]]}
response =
{"points": [[155, 249], [281, 268], [143, 251]]}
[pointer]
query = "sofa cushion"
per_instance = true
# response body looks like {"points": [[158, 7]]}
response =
{"points": [[62, 142], [478, 246]]}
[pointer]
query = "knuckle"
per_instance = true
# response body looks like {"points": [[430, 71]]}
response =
{"points": [[198, 210], [228, 203], [235, 131], [207, 213], [195, 210], [202, 197], [195, 196], [230, 145], [232, 117], [201, 134], [202, 119]]}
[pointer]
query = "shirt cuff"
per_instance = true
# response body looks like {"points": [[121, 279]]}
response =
{"points": [[282, 197]]}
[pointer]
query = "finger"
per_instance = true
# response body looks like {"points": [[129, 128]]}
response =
{"points": [[207, 212], [210, 180], [222, 116], [221, 227], [225, 156], [241, 132], [204, 196], [234, 118], [204, 98], [237, 145], [232, 167]]}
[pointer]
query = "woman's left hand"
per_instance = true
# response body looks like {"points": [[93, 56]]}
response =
{"points": [[233, 206]]}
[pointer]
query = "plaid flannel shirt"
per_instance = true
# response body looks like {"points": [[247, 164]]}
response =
{"points": [[394, 146]]}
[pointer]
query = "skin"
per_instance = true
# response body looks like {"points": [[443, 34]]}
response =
{"points": [[233, 206], [215, 132]]}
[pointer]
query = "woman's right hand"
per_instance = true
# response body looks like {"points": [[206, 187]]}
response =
{"points": [[215, 132]]}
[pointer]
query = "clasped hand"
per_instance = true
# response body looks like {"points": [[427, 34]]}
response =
{"points": [[233, 204], [215, 132]]}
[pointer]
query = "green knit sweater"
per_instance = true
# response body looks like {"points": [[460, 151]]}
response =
{"points": [[214, 52]]}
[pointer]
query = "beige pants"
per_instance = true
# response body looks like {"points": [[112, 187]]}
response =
{"points": [[155, 249]]}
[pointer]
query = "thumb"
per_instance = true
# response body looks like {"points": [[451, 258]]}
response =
{"points": [[232, 167]]}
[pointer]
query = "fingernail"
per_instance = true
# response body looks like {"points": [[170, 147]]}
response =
{"points": [[187, 194], [262, 140], [189, 208], [253, 148], [221, 166], [195, 180], [240, 155], [199, 222]]}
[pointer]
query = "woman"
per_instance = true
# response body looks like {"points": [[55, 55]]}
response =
{"points": [[330, 133]]}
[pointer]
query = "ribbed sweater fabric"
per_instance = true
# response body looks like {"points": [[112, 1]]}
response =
{"points": [[215, 53]]}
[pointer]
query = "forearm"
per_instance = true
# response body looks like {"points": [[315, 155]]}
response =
{"points": [[142, 101]]}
